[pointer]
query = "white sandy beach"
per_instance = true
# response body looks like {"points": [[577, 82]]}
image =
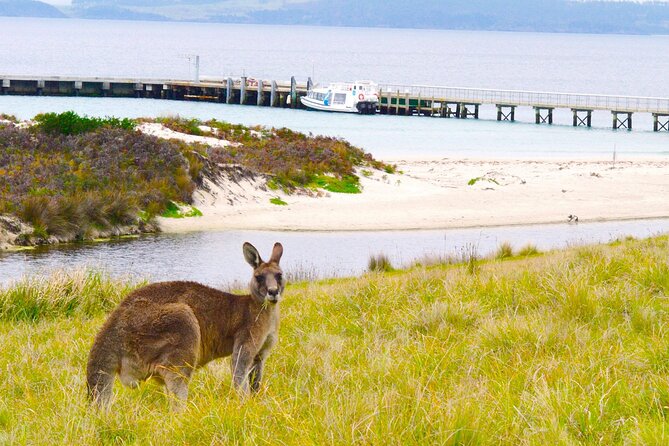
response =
{"points": [[434, 194]]}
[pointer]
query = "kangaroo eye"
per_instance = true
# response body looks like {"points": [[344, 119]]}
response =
{"points": [[260, 278], [279, 277]]}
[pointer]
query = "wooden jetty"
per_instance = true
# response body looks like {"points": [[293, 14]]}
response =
{"points": [[414, 100]]}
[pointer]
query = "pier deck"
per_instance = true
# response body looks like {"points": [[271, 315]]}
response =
{"points": [[421, 100]]}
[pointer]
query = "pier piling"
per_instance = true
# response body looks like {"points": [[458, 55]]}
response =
{"points": [[228, 91], [539, 118], [578, 121], [660, 122], [242, 91], [625, 123], [506, 116]]}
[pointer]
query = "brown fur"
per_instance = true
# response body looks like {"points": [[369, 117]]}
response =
{"points": [[166, 330]]}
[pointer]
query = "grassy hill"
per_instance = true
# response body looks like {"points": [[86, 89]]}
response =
{"points": [[28, 8], [562, 348], [618, 17]]}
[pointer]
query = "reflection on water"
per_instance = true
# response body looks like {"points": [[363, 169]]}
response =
{"points": [[216, 258]]}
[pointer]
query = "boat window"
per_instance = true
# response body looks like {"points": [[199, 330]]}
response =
{"points": [[339, 98]]}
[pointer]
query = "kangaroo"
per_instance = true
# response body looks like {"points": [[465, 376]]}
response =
{"points": [[166, 330]]}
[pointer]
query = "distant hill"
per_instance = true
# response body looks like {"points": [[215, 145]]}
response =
{"points": [[574, 16], [28, 8]]}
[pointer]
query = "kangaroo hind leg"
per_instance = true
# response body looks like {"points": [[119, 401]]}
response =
{"points": [[177, 352]]}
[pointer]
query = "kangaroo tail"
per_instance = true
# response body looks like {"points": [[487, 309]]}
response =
{"points": [[101, 368]]}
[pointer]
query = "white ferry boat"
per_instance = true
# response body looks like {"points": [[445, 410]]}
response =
{"points": [[347, 97]]}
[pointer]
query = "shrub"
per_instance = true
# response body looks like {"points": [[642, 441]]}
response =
{"points": [[70, 123]]}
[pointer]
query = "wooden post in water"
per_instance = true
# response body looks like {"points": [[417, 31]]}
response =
{"points": [[242, 91], [228, 91], [578, 121], [658, 124], [502, 116], [625, 123], [397, 103], [272, 95], [293, 92], [539, 118], [261, 98]]}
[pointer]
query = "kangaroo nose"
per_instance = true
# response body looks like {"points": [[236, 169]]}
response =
{"points": [[273, 291]]}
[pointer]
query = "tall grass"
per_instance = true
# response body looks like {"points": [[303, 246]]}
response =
{"points": [[75, 294], [559, 348]]}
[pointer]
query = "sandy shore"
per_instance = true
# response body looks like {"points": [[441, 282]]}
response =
{"points": [[436, 194]]}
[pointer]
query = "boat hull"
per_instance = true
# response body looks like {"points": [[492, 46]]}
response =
{"points": [[318, 105]]}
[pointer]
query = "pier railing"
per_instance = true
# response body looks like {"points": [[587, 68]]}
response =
{"points": [[530, 98]]}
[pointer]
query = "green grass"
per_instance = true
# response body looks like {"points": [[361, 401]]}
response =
{"points": [[348, 184], [558, 348], [278, 201], [180, 210]]}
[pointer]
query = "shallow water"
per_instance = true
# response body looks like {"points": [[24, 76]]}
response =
{"points": [[216, 258]]}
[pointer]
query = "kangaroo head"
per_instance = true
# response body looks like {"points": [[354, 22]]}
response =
{"points": [[267, 282]]}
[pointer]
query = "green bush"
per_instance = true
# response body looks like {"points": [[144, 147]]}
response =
{"points": [[70, 123]]}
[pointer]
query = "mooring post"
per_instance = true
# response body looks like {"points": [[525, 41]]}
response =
{"points": [[407, 104], [293, 92], [476, 111], [272, 95], [261, 98], [419, 111], [242, 91], [228, 91]]}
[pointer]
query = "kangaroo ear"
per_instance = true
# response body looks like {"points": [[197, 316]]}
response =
{"points": [[277, 252], [251, 255]]}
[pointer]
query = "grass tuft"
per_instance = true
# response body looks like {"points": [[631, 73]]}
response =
{"points": [[504, 251], [379, 263]]}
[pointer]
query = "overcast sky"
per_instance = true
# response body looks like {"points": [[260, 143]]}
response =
{"points": [[69, 2]]}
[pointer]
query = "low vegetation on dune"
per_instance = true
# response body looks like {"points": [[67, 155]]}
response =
{"points": [[556, 348], [75, 177], [293, 160]]}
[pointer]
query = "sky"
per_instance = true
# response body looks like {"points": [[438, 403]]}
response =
{"points": [[69, 2]]}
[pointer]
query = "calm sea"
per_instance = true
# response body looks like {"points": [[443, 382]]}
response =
{"points": [[609, 64]]}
